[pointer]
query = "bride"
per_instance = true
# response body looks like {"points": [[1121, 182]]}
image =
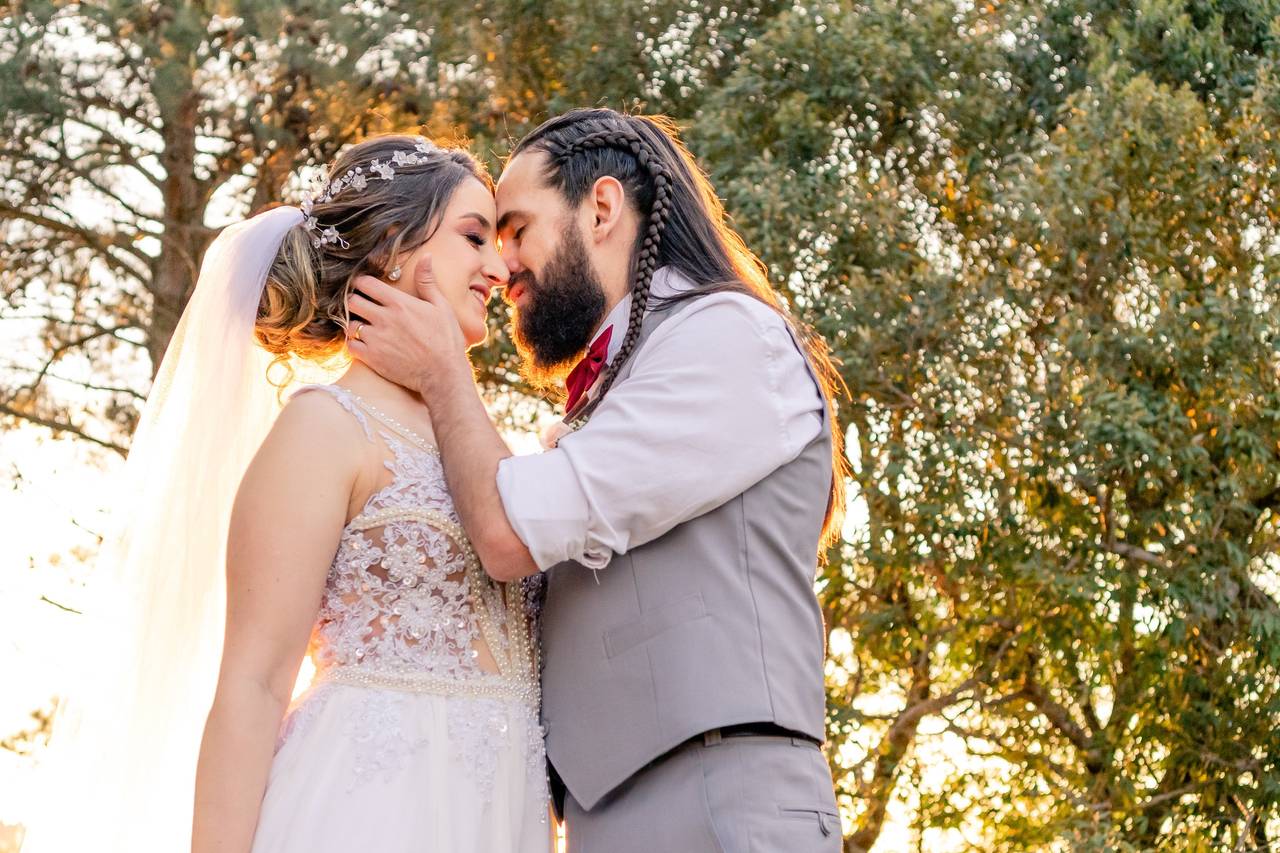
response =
{"points": [[420, 730]]}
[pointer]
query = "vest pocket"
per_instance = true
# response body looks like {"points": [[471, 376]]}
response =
{"points": [[623, 637]]}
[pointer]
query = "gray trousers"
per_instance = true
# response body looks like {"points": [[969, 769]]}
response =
{"points": [[748, 794]]}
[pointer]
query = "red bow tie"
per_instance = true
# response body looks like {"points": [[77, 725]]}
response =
{"points": [[585, 372]]}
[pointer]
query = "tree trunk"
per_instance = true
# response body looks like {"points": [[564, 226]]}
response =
{"points": [[892, 750], [185, 238]]}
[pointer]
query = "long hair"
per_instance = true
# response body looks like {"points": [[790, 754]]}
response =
{"points": [[683, 226]]}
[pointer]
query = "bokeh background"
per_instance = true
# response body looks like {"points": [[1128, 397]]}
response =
{"points": [[1042, 238]]}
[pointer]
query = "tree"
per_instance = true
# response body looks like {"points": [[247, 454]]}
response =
{"points": [[1043, 239], [140, 128], [136, 129]]}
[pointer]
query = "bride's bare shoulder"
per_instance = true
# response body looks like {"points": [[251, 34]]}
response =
{"points": [[318, 426], [323, 407]]}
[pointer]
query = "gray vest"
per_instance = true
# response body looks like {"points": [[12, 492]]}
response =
{"points": [[712, 624]]}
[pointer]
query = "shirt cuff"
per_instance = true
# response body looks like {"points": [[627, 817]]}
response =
{"points": [[547, 509]]}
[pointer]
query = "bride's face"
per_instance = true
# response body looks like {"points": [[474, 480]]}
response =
{"points": [[464, 257]]}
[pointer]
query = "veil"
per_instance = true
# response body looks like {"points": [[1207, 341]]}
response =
{"points": [[120, 769]]}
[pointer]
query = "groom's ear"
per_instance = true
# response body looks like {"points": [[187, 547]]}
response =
{"points": [[606, 205]]}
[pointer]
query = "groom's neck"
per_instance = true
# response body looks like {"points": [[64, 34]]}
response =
{"points": [[612, 261], [612, 298]]}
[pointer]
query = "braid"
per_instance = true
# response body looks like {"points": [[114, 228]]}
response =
{"points": [[626, 139]]}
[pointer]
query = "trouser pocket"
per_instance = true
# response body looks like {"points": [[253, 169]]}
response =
{"points": [[796, 829], [828, 821]]}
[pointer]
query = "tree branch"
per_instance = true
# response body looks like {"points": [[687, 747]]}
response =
{"points": [[61, 427], [1055, 714], [88, 239], [79, 383]]}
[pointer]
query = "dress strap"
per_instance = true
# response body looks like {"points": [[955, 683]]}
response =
{"points": [[346, 400], [394, 427]]}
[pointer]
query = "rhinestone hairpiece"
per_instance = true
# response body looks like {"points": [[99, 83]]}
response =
{"points": [[359, 178]]}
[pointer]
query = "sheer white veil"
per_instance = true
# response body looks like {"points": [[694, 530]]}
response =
{"points": [[121, 765]]}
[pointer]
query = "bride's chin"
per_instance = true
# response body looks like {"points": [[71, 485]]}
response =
{"points": [[477, 338]]}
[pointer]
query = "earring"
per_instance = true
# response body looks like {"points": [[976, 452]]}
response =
{"points": [[394, 275]]}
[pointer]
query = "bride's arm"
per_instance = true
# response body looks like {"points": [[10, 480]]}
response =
{"points": [[285, 527]]}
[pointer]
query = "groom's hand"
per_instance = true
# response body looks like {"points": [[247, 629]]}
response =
{"points": [[408, 340]]}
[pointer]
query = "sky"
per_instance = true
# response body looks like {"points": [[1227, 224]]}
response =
{"points": [[48, 517]]}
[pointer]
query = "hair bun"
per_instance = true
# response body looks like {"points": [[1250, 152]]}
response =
{"points": [[288, 323]]}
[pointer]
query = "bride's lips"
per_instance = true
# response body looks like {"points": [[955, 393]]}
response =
{"points": [[481, 292]]}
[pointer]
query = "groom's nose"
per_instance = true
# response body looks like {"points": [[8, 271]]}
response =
{"points": [[511, 257]]}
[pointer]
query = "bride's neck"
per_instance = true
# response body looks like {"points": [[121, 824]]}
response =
{"points": [[367, 382]]}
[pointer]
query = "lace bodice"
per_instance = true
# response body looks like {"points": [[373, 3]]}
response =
{"points": [[406, 597]]}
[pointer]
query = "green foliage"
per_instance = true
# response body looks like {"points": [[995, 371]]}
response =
{"points": [[1043, 239], [136, 129]]}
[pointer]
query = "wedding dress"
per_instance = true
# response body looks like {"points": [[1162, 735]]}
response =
{"points": [[420, 730]]}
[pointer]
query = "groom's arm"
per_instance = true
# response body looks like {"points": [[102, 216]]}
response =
{"points": [[471, 448], [417, 343]]}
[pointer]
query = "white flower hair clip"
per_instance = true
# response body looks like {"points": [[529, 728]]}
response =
{"points": [[357, 179]]}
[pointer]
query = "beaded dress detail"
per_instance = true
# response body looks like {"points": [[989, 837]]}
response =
{"points": [[424, 706]]}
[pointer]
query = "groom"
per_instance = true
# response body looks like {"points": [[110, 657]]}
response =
{"points": [[678, 518]]}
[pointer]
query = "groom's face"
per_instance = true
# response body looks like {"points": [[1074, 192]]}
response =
{"points": [[554, 291]]}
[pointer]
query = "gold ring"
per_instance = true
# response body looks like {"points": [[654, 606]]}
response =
{"points": [[356, 331]]}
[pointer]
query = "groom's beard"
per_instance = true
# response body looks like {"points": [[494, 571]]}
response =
{"points": [[562, 307]]}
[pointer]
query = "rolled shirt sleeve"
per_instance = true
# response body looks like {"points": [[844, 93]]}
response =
{"points": [[718, 398]]}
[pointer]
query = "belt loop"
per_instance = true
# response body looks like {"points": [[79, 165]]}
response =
{"points": [[711, 737]]}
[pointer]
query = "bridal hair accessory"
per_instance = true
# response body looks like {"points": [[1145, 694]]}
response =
{"points": [[359, 178]]}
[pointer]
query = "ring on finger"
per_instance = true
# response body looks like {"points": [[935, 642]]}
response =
{"points": [[355, 332]]}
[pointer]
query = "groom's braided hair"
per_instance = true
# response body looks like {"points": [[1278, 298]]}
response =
{"points": [[683, 226], [626, 139]]}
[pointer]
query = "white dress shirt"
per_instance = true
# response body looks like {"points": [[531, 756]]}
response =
{"points": [[718, 398]]}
